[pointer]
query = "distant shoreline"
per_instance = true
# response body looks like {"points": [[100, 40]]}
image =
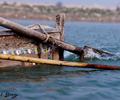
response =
{"points": [[52, 18], [25, 11]]}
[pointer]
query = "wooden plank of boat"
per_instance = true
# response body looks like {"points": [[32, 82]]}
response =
{"points": [[36, 27], [57, 62]]}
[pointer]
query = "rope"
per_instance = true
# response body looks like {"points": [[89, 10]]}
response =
{"points": [[43, 31], [47, 37]]}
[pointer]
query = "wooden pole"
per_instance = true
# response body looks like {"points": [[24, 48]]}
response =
{"points": [[60, 18], [21, 30], [56, 62]]}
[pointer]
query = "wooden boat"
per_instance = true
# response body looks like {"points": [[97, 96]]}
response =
{"points": [[40, 44], [14, 44]]}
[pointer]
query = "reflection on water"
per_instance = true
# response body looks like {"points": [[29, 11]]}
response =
{"points": [[40, 73]]}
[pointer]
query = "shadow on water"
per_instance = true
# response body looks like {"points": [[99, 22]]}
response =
{"points": [[40, 73]]}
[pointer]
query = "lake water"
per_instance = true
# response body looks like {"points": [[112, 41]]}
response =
{"points": [[45, 83]]}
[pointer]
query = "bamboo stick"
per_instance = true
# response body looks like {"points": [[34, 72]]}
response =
{"points": [[56, 62]]}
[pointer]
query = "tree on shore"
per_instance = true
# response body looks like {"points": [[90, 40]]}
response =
{"points": [[5, 3], [59, 4], [118, 8]]}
